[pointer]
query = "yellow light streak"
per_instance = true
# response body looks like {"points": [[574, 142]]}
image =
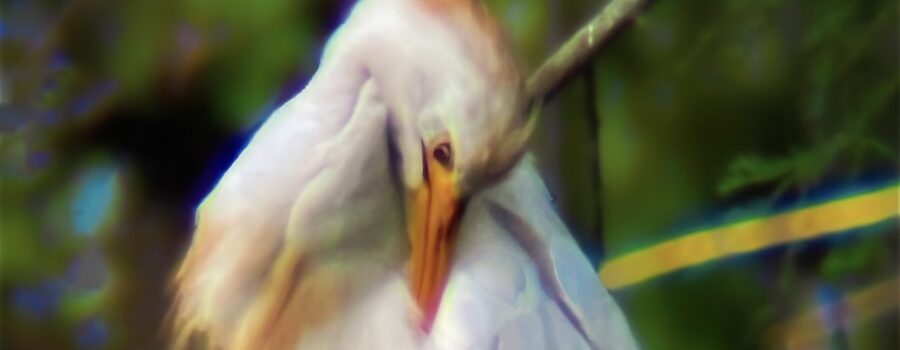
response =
{"points": [[747, 236]]}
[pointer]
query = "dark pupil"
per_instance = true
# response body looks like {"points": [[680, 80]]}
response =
{"points": [[442, 154]]}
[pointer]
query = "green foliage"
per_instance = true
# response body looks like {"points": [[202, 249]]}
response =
{"points": [[845, 100], [705, 106], [863, 257]]}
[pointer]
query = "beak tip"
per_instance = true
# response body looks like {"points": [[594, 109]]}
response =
{"points": [[425, 325], [422, 317]]}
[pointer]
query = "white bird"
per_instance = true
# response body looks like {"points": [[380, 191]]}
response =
{"points": [[388, 206]]}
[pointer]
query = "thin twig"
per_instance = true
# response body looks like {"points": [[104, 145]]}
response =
{"points": [[570, 56]]}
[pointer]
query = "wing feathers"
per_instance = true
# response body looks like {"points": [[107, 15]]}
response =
{"points": [[539, 251], [522, 207]]}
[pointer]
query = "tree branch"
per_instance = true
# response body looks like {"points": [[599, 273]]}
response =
{"points": [[575, 51]]}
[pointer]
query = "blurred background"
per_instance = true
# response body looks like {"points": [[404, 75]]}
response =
{"points": [[730, 166]]}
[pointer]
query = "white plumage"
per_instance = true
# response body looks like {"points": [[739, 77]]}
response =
{"points": [[303, 245]]}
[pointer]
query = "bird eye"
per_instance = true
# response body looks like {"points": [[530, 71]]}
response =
{"points": [[443, 154]]}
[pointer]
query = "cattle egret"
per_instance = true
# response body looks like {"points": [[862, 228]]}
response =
{"points": [[388, 206]]}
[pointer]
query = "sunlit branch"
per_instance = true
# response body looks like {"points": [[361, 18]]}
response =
{"points": [[575, 51], [832, 217]]}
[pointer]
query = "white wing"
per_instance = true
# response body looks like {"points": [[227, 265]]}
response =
{"points": [[524, 290], [308, 157]]}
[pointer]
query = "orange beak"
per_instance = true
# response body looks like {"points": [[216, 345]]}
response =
{"points": [[432, 224]]}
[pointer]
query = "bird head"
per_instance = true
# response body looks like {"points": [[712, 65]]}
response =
{"points": [[458, 122]]}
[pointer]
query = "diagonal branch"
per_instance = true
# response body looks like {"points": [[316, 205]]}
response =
{"points": [[575, 51]]}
